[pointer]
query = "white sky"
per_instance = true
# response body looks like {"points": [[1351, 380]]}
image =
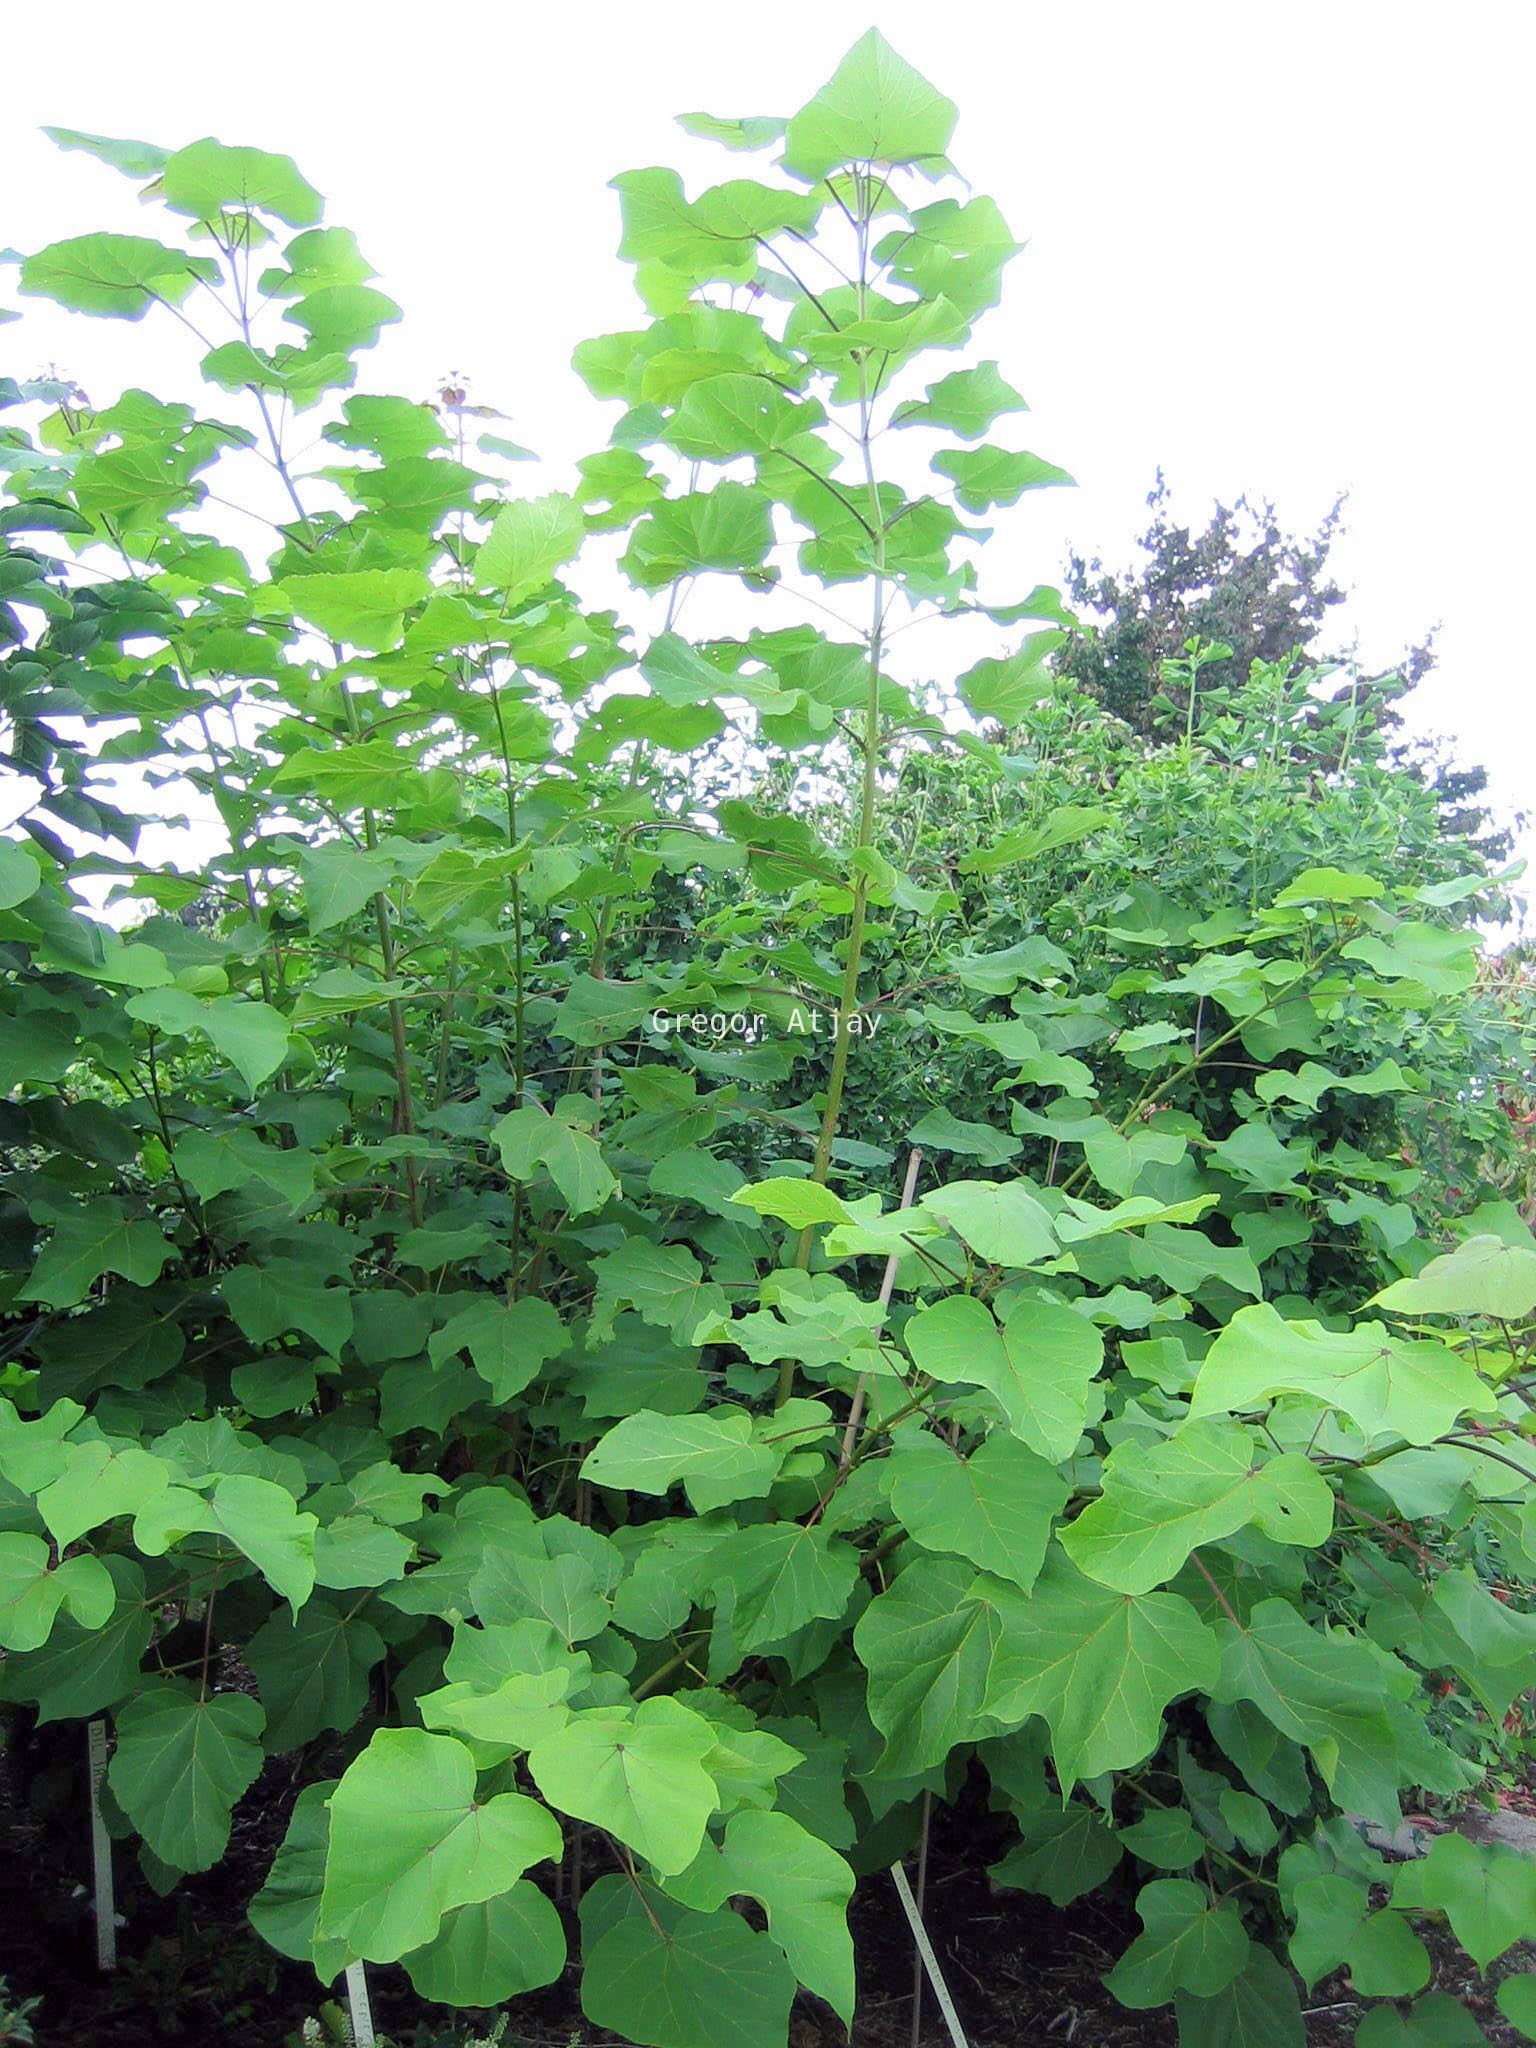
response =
{"points": [[1281, 250]]}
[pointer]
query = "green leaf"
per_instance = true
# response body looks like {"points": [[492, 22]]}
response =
{"points": [[928, 1645], [252, 1036], [101, 1481], [776, 1578], [208, 178], [495, 1950], [984, 477], [727, 529], [940, 1130], [665, 1282], [662, 1976], [1066, 1851], [81, 1668], [32, 1592], [1416, 1390], [133, 159], [530, 1137], [803, 1886], [180, 1765], [1335, 1925], [256, 1515], [1326, 1692], [288, 1294], [1038, 1365], [1163, 1500], [1485, 1890], [1099, 1666], [638, 1773], [363, 608], [716, 1456], [286, 1911], [312, 1671], [20, 875], [1167, 1839], [1328, 885], [1001, 1222], [339, 879], [1258, 2009], [966, 402], [995, 1507], [874, 109], [1437, 2020], [524, 1708], [723, 417], [508, 1341], [117, 276], [1186, 1944], [96, 1238], [799, 1203], [1483, 1276], [1517, 2002], [410, 1842], [528, 541]]}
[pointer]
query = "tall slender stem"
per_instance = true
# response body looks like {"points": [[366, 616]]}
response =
{"points": [[848, 998]]}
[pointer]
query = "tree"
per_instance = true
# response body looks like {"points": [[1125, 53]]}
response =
{"points": [[541, 1393], [1255, 593]]}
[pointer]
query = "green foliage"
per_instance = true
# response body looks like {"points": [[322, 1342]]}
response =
{"points": [[450, 1251]]}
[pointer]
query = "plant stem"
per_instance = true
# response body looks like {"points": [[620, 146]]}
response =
{"points": [[848, 1000]]}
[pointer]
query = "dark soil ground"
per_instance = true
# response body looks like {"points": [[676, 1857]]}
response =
{"points": [[1022, 1974]]}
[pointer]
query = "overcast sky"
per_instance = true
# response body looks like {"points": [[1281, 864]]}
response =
{"points": [[1280, 250]]}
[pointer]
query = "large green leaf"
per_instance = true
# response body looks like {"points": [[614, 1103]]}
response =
{"points": [[33, 1590], [508, 1341], [1416, 1390], [776, 1578], [1162, 1501], [663, 1976], [120, 276], [410, 1841], [1485, 1889], [80, 1669], [873, 109], [995, 1507], [530, 1137], [1258, 2009], [1335, 1925], [208, 178], [527, 543], [1187, 1943], [1326, 1691], [182, 1760], [312, 1671], [928, 1644], [638, 1773], [1484, 1276], [286, 1910], [493, 1950], [98, 1237], [803, 1885], [1100, 1666], [1038, 1364], [717, 1456]]}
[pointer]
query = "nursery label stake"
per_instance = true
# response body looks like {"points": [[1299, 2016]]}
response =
{"points": [[357, 2001], [101, 1849]]}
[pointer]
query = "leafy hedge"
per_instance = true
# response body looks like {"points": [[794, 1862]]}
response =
{"points": [[444, 1355]]}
